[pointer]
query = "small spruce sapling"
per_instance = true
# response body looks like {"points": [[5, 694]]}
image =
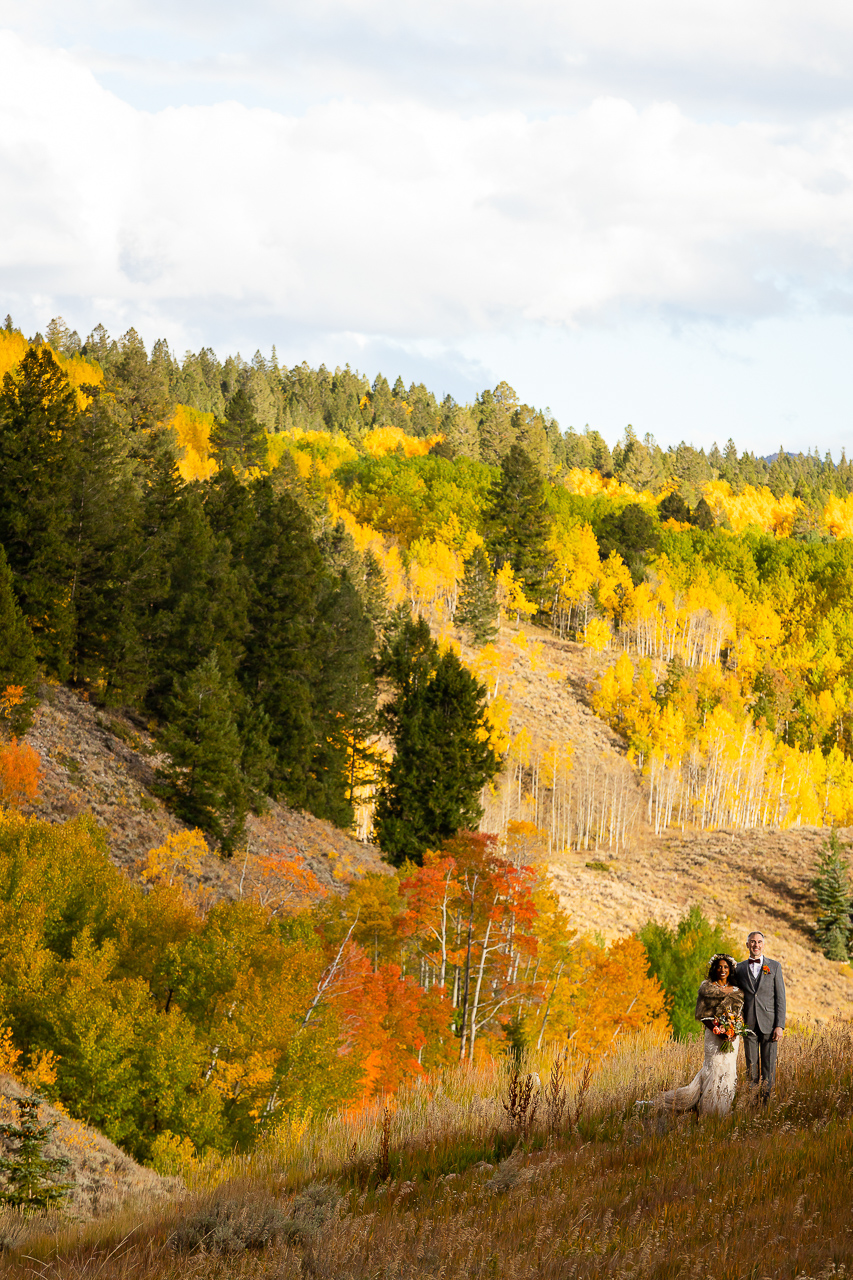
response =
{"points": [[30, 1176], [834, 927]]}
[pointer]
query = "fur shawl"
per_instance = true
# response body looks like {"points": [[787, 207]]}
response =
{"points": [[713, 1000]]}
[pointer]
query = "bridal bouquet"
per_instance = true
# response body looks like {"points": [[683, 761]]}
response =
{"points": [[730, 1026]]}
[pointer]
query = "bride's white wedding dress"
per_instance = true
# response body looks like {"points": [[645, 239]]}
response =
{"points": [[712, 1089]]}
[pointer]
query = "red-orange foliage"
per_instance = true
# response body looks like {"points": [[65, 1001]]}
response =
{"points": [[280, 881], [20, 773]]}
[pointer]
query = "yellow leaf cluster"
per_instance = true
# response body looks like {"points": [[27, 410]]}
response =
{"points": [[192, 427], [384, 440], [752, 507], [79, 371]]}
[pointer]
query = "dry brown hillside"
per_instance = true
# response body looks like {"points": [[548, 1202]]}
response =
{"points": [[103, 763], [753, 879]]}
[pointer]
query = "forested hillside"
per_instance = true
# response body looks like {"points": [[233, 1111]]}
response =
{"points": [[482, 641]]}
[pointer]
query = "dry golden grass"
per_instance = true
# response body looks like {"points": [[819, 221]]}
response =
{"points": [[762, 1193]]}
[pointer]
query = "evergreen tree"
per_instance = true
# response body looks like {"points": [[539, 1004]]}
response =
{"points": [[639, 463], [703, 516], [30, 1176], [343, 698], [477, 610], [516, 521], [103, 497], [204, 781], [280, 662], [458, 425], [142, 585], [673, 507], [203, 608], [374, 593], [140, 387], [441, 763], [38, 430], [495, 426], [239, 442], [17, 653], [633, 533], [834, 928]]}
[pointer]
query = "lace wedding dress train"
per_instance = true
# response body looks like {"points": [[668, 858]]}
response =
{"points": [[712, 1089]]}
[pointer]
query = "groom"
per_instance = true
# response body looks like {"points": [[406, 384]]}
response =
{"points": [[763, 989]]}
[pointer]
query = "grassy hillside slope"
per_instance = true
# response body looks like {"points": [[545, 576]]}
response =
{"points": [[446, 1186], [102, 1179]]}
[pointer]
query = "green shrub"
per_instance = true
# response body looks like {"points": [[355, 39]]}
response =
{"points": [[679, 959]]}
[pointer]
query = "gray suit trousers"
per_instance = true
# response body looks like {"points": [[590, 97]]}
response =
{"points": [[761, 1051]]}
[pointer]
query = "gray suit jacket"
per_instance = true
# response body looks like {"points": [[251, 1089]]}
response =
{"points": [[763, 1004]]}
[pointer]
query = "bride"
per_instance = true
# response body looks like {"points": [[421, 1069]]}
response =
{"points": [[712, 1090]]}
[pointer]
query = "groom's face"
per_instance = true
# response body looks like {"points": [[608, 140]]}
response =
{"points": [[755, 944]]}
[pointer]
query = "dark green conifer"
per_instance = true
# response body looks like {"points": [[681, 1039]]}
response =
{"points": [[280, 662], [140, 386], [834, 928], [673, 507], [440, 764], [516, 521], [343, 694], [239, 441], [477, 610], [17, 654], [633, 533], [30, 1176], [703, 516], [38, 430], [204, 781]]}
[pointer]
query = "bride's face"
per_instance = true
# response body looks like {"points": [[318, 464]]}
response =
{"points": [[722, 973]]}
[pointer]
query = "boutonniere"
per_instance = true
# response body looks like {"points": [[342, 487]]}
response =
{"points": [[764, 969]]}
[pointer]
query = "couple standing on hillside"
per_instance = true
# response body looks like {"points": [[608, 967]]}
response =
{"points": [[736, 1001]]}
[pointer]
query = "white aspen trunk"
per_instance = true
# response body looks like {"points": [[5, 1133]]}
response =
{"points": [[477, 989]]}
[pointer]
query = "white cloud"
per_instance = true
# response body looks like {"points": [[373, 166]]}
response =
{"points": [[409, 221]]}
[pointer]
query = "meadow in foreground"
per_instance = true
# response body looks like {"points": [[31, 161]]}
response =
{"points": [[446, 1182]]}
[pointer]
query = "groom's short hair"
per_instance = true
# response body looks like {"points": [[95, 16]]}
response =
{"points": [[756, 933]]}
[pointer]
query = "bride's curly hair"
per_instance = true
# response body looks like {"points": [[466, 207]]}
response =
{"points": [[714, 965]]}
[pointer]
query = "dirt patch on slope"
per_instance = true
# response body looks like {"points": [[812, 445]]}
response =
{"points": [[103, 763], [750, 879]]}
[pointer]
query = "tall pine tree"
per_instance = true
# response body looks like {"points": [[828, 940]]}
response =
{"points": [[38, 430], [516, 522], [204, 780], [17, 655], [239, 442], [441, 762], [477, 610]]}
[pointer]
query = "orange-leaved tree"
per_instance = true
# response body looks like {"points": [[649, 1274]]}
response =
{"points": [[20, 765]]}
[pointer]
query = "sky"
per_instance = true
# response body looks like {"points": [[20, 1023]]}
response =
{"points": [[631, 213]]}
